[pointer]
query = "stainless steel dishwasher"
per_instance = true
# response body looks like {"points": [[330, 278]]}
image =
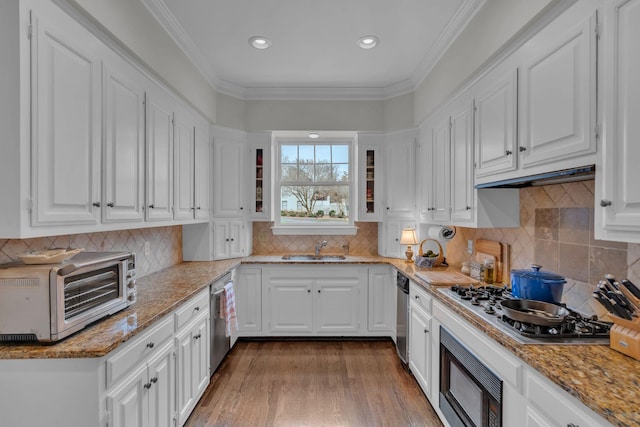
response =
{"points": [[220, 343], [402, 319]]}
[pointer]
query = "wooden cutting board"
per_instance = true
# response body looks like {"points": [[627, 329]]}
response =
{"points": [[495, 249], [445, 278]]}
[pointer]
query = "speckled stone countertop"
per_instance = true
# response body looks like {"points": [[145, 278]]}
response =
{"points": [[158, 294], [604, 380]]}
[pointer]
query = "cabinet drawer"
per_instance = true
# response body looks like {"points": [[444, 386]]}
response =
{"points": [[420, 296], [198, 304], [138, 350]]}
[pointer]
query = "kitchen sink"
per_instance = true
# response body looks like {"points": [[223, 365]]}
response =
{"points": [[305, 257]]}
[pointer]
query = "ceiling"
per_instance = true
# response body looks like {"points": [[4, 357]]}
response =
{"points": [[314, 52]]}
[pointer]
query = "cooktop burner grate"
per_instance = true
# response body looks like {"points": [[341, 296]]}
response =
{"points": [[485, 302]]}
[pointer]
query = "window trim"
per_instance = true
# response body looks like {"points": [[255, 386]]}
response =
{"points": [[349, 228]]}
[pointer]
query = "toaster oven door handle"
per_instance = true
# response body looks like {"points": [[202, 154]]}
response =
{"points": [[73, 266], [68, 269]]}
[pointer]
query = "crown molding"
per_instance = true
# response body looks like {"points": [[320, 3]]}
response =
{"points": [[167, 20], [454, 27]]}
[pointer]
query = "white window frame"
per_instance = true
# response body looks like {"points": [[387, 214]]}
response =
{"points": [[348, 228]]}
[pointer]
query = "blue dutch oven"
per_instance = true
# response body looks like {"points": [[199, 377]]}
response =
{"points": [[535, 284]]}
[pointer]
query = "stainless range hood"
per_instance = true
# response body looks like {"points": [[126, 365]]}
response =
{"points": [[582, 173]]}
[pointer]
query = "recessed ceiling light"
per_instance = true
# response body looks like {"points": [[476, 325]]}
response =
{"points": [[313, 135], [368, 42], [260, 42]]}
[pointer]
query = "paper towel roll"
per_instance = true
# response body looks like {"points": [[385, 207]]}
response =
{"points": [[441, 233]]}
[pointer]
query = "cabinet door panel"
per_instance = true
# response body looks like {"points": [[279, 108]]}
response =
{"points": [[228, 154], [462, 191], [440, 180], [558, 97], [235, 234], [163, 386], [336, 305], [128, 404], [619, 216], [496, 127], [291, 305], [420, 348], [381, 297], [159, 158], [201, 357], [183, 167], [400, 174], [249, 300], [185, 387], [65, 124], [123, 196], [203, 183]]}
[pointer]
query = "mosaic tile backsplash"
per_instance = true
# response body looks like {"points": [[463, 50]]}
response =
{"points": [[165, 245]]}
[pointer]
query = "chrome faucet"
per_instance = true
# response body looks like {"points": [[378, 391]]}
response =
{"points": [[320, 245]]}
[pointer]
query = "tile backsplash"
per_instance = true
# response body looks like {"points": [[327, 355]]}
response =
{"points": [[365, 242], [165, 244], [556, 231]]}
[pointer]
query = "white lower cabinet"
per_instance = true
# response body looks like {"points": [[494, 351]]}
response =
{"points": [[248, 290], [146, 396], [420, 347], [314, 300], [192, 363], [381, 314]]}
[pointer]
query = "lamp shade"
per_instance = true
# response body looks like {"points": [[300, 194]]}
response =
{"points": [[409, 237]]}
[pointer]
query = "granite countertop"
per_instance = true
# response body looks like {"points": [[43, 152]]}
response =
{"points": [[606, 381], [158, 294], [603, 379]]}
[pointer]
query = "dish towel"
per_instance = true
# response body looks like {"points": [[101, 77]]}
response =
{"points": [[228, 309]]}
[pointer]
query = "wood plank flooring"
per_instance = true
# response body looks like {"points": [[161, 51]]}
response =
{"points": [[313, 383]]}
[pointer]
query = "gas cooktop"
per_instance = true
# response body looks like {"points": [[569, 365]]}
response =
{"points": [[484, 301]]}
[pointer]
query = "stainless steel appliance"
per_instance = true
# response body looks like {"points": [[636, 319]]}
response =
{"points": [[48, 302], [470, 393], [220, 343], [530, 327], [402, 316]]}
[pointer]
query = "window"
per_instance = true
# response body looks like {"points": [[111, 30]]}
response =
{"points": [[316, 179]]}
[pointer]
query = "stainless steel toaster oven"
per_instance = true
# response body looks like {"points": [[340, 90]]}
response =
{"points": [[48, 302]]}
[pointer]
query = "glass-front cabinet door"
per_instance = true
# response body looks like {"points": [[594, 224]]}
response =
{"points": [[369, 178], [260, 176]]}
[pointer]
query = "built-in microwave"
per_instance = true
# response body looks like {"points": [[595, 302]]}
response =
{"points": [[48, 302]]}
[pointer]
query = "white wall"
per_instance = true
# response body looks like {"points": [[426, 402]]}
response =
{"points": [[132, 24], [315, 115], [495, 24], [398, 112], [231, 112]]}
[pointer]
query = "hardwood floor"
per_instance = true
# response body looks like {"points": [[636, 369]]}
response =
{"points": [[313, 383]]}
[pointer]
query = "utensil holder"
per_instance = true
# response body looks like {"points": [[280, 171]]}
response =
{"points": [[625, 336], [423, 261]]}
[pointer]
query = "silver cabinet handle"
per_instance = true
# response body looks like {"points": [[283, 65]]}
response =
{"points": [[604, 203]]}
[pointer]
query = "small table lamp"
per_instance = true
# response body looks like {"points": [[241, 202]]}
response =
{"points": [[409, 238]]}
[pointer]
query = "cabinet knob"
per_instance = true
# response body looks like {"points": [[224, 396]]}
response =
{"points": [[572, 425], [227, 240], [154, 380], [426, 331], [196, 308], [198, 208], [241, 208], [150, 344], [604, 203], [417, 297], [110, 205], [232, 240], [197, 337], [151, 206], [468, 208], [318, 290], [508, 153], [147, 386], [388, 208], [96, 204], [308, 291], [521, 148]]}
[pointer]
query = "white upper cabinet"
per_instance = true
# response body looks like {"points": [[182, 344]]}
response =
{"points": [[558, 92], [440, 169], [370, 177], [229, 153], [65, 133], [259, 179], [159, 156], [123, 160], [183, 163], [617, 212], [496, 122], [203, 187], [400, 176], [461, 171]]}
